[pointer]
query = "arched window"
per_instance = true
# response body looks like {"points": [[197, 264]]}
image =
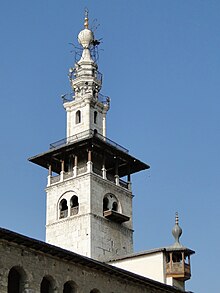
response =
{"points": [[69, 287], [46, 286], [95, 117], [94, 291], [15, 281], [115, 206], [74, 205], [111, 203], [105, 204], [78, 117], [63, 209]]}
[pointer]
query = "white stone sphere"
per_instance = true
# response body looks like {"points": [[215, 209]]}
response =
{"points": [[85, 38]]}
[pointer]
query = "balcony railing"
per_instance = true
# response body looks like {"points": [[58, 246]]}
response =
{"points": [[63, 214], [74, 211], [123, 183], [178, 268], [54, 179], [83, 170], [83, 135]]}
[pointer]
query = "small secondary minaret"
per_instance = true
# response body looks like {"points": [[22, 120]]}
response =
{"points": [[89, 205], [178, 269]]}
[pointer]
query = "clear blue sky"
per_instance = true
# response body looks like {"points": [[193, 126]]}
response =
{"points": [[161, 66]]}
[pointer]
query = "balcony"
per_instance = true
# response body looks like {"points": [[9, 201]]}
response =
{"points": [[178, 270], [115, 216], [83, 170], [84, 135], [63, 214], [74, 211]]}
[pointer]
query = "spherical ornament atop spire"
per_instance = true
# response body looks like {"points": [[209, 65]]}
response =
{"points": [[177, 231], [86, 37]]}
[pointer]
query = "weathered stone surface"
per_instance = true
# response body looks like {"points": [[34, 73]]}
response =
{"points": [[88, 232], [35, 264]]}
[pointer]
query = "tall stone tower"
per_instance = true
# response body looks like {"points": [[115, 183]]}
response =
{"points": [[89, 206]]}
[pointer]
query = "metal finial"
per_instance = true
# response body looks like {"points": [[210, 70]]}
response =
{"points": [[177, 231], [86, 22], [177, 219]]}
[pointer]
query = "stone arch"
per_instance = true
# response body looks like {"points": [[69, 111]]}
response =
{"points": [[47, 285], [69, 287], [95, 291], [67, 195], [110, 202], [17, 279]]}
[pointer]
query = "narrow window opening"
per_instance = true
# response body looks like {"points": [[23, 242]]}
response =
{"points": [[177, 257], [115, 206], [78, 117], [46, 286], [105, 204], [68, 288], [74, 205], [14, 281], [167, 258], [95, 117], [63, 209]]}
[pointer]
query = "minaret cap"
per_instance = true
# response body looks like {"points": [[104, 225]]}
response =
{"points": [[86, 37], [177, 231]]}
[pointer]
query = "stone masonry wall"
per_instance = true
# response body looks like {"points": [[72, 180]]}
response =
{"points": [[35, 265]]}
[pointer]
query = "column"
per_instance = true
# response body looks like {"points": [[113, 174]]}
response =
{"points": [[89, 162], [62, 171], [104, 124], [116, 172], [75, 168], [129, 180], [103, 168], [49, 175]]}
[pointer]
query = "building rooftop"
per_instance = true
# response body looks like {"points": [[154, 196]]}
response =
{"points": [[65, 255]]}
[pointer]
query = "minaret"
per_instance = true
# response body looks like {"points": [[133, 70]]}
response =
{"points": [[89, 205], [178, 269], [88, 108]]}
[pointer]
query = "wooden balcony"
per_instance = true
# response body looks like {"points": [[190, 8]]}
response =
{"points": [[178, 270], [115, 216]]}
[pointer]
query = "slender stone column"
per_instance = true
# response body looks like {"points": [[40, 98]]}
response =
{"points": [[89, 162], [103, 168], [75, 168], [62, 171], [104, 125], [116, 172], [49, 175]]}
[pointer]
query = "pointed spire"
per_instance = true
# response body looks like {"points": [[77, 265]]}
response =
{"points": [[177, 231], [86, 22]]}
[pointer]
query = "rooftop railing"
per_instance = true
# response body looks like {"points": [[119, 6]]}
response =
{"points": [[84, 135]]}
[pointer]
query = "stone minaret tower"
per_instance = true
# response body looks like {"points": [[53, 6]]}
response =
{"points": [[89, 206]]}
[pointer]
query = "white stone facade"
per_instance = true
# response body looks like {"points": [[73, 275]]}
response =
{"points": [[88, 232], [92, 116]]}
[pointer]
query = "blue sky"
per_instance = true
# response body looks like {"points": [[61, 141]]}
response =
{"points": [[161, 65]]}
